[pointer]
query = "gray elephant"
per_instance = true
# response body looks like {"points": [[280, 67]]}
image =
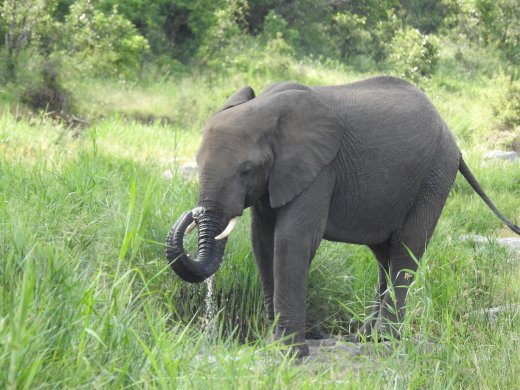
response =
{"points": [[370, 163]]}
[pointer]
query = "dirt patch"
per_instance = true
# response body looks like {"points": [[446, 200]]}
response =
{"points": [[355, 356]]}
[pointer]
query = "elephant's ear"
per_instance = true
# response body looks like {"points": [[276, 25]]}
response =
{"points": [[241, 96], [307, 139]]}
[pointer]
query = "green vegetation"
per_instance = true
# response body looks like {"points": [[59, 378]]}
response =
{"points": [[99, 99]]}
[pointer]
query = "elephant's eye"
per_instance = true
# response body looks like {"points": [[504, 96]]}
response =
{"points": [[245, 168]]}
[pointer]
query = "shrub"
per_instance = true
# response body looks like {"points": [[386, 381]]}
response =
{"points": [[413, 55], [507, 108], [49, 94], [276, 27], [223, 33], [361, 39], [25, 29], [350, 34], [227, 48], [488, 22], [426, 15], [172, 27], [104, 44]]}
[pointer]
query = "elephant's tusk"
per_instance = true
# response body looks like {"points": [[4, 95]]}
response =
{"points": [[229, 228], [190, 227]]}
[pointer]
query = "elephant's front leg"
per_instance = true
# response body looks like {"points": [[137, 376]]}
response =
{"points": [[262, 238], [300, 226], [292, 260]]}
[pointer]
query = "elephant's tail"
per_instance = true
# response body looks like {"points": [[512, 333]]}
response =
{"points": [[463, 168]]}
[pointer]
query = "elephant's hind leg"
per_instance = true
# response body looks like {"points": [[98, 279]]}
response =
{"points": [[413, 236], [382, 254]]}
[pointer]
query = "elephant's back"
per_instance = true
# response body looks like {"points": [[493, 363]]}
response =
{"points": [[373, 83], [385, 114]]}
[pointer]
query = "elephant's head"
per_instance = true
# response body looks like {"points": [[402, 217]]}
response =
{"points": [[273, 145]]}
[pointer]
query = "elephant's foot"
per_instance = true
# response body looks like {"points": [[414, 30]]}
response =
{"points": [[300, 350], [366, 329], [294, 339], [269, 308], [377, 330], [364, 332], [316, 332]]}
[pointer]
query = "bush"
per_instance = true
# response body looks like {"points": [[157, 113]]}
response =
{"points": [[49, 94], [25, 27], [104, 44], [507, 108], [223, 33], [383, 33], [426, 15], [362, 40], [350, 34], [276, 27], [228, 49], [413, 55], [488, 22], [174, 28]]}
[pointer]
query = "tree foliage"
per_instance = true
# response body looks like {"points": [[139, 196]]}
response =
{"points": [[488, 22], [175, 27], [507, 108], [23, 22], [106, 43], [116, 37], [413, 54]]}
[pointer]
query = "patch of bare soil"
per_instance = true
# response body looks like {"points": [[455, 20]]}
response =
{"points": [[346, 356]]}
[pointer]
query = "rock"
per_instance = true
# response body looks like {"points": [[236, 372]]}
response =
{"points": [[501, 155], [316, 344], [331, 352], [168, 175], [189, 170], [494, 313], [355, 356], [511, 243]]}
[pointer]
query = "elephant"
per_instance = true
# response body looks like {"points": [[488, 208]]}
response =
{"points": [[371, 162]]}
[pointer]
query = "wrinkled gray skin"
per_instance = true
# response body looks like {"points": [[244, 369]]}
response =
{"points": [[369, 163]]}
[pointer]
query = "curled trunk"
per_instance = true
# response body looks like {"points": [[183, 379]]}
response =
{"points": [[209, 253]]}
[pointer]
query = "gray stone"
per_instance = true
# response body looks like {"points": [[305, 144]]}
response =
{"points": [[326, 353], [354, 356], [511, 243], [494, 313], [501, 155], [189, 170], [168, 174]]}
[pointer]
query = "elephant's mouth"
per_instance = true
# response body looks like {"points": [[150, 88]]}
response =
{"points": [[211, 244]]}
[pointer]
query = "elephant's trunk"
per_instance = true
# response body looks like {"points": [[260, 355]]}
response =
{"points": [[209, 253]]}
